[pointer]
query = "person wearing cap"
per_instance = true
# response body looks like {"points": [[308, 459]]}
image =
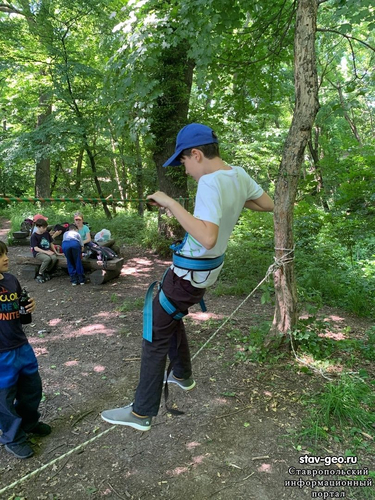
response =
{"points": [[223, 191], [83, 229], [35, 218]]}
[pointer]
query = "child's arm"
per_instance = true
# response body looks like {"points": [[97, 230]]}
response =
{"points": [[262, 204], [53, 248], [87, 238], [204, 232]]}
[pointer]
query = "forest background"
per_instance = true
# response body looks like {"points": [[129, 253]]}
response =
{"points": [[93, 94]]}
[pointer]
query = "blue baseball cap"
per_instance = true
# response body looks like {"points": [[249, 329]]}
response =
{"points": [[194, 134]]}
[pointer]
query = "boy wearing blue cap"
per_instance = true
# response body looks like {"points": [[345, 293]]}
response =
{"points": [[223, 191]]}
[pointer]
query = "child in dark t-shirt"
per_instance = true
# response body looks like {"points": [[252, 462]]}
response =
{"points": [[44, 250], [20, 383]]}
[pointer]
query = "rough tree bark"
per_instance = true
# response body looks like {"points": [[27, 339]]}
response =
{"points": [[306, 108]]}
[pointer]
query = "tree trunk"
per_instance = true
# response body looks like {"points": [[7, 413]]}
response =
{"points": [[96, 180], [55, 176], [313, 144], [117, 175], [139, 177], [79, 170], [168, 118], [43, 166], [306, 108]]}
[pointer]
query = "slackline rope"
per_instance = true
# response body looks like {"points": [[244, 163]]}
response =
{"points": [[80, 199], [279, 262]]}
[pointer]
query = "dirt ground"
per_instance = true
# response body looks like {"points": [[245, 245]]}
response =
{"points": [[235, 439]]}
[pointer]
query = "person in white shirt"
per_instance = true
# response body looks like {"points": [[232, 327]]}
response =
{"points": [[223, 191], [72, 246]]}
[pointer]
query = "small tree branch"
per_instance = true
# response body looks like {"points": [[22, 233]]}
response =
{"points": [[348, 37], [9, 9]]}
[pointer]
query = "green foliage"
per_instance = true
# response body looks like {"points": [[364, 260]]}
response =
{"points": [[249, 254], [367, 346], [131, 305], [152, 239], [342, 405], [250, 345], [343, 247], [310, 339]]}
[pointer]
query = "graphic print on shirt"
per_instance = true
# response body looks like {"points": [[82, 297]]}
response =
{"points": [[9, 305], [192, 247], [44, 243]]}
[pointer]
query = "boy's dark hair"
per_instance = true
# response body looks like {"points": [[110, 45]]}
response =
{"points": [[72, 227], [3, 248], [210, 151], [41, 223]]}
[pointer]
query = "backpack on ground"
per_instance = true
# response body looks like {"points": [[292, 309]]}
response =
{"points": [[27, 225], [95, 251]]}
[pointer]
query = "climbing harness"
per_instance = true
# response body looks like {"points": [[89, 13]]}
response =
{"points": [[166, 303]]}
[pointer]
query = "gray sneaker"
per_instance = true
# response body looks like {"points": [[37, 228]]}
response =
{"points": [[21, 450], [125, 416], [186, 384]]}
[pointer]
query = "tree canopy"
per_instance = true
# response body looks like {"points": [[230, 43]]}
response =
{"points": [[94, 93]]}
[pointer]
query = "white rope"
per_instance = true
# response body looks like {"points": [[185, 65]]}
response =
{"points": [[28, 476], [282, 261]]}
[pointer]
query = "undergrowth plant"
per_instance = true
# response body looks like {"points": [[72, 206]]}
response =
{"points": [[342, 408]]}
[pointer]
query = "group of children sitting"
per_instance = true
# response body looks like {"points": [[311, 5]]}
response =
{"points": [[44, 249]]}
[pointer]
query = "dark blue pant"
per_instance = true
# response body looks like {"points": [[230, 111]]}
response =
{"points": [[168, 338], [72, 251], [19, 402]]}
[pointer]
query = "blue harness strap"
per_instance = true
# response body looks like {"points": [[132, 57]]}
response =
{"points": [[147, 313], [169, 307], [191, 264], [188, 263], [165, 303]]}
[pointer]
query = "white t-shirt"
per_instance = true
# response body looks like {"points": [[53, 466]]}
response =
{"points": [[220, 199], [72, 235]]}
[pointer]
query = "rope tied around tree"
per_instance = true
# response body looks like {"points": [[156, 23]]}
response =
{"points": [[279, 262]]}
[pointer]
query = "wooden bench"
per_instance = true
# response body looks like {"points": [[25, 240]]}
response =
{"points": [[100, 273]]}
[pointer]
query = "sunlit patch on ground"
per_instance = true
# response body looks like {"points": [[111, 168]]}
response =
{"points": [[72, 363], [265, 468], [39, 351], [99, 368], [86, 331], [107, 314], [330, 327], [192, 445], [332, 335], [134, 266], [221, 401], [205, 316], [334, 318], [198, 460], [324, 366], [54, 321]]}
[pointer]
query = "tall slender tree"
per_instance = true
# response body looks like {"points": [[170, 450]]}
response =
{"points": [[305, 110]]}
